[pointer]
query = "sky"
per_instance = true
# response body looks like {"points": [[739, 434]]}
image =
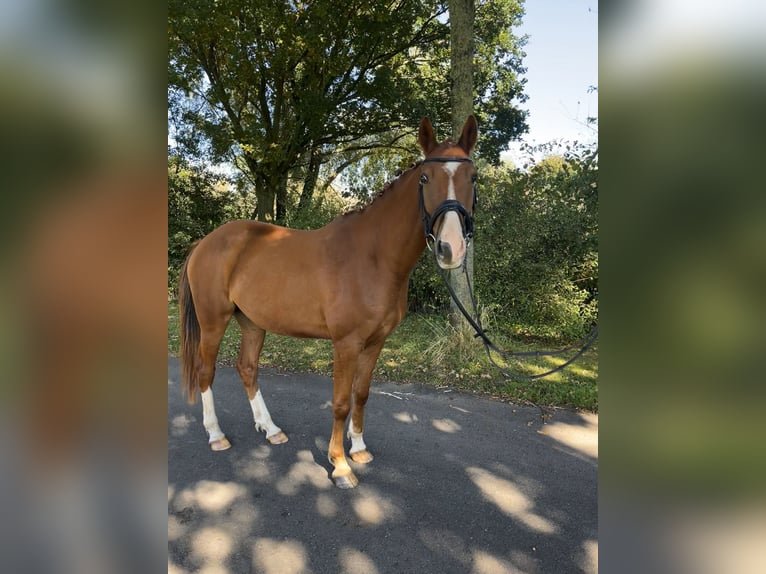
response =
{"points": [[561, 62]]}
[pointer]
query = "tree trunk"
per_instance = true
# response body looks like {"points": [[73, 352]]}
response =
{"points": [[265, 187], [264, 201], [461, 14], [309, 182], [281, 199]]}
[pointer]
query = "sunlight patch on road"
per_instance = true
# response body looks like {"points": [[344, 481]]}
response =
{"points": [[525, 561], [589, 560], [486, 563], [353, 561], [180, 424], [175, 568], [272, 556], [322, 443], [509, 500], [212, 546], [405, 417], [372, 508], [211, 496], [305, 471], [580, 437], [326, 505], [261, 452], [446, 425], [175, 529], [445, 543], [256, 466]]}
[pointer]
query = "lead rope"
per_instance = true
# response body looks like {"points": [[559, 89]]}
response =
{"points": [[489, 346], [582, 345]]}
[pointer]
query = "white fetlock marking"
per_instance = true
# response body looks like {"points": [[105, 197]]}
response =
{"points": [[357, 442], [262, 417], [209, 418]]}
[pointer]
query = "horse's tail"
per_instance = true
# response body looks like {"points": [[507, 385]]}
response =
{"points": [[189, 335]]}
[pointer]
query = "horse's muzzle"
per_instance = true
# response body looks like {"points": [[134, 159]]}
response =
{"points": [[450, 254]]}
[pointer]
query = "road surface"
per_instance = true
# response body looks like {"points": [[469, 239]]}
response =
{"points": [[460, 483]]}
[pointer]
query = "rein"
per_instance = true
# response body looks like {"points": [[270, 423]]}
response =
{"points": [[584, 344], [429, 221]]}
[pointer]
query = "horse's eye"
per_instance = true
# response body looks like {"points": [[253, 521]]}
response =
{"points": [[423, 178], [473, 178]]}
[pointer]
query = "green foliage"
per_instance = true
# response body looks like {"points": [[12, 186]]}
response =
{"points": [[370, 174], [265, 84], [268, 81], [427, 292], [198, 202], [497, 77], [325, 206], [537, 244], [536, 248]]}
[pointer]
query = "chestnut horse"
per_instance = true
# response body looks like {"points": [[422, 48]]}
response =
{"points": [[346, 282]]}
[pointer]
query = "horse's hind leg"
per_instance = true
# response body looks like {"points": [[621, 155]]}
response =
{"points": [[210, 341], [247, 366]]}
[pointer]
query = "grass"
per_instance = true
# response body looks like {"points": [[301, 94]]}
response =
{"points": [[426, 349]]}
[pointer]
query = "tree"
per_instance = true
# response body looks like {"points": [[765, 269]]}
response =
{"points": [[198, 202], [279, 88], [497, 75], [462, 14], [275, 84], [461, 19]]}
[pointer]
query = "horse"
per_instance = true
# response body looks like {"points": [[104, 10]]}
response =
{"points": [[346, 282]]}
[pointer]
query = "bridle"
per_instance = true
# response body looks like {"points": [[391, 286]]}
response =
{"points": [[430, 219]]}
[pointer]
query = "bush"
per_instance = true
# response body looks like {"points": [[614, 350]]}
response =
{"points": [[198, 202], [536, 248]]}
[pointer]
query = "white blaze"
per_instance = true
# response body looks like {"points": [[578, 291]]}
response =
{"points": [[451, 169], [451, 231]]}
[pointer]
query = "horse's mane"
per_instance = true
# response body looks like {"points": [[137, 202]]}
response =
{"points": [[359, 208]]}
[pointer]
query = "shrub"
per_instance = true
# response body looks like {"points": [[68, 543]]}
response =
{"points": [[536, 248]]}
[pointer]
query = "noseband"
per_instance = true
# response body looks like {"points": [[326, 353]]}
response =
{"points": [[429, 220]]}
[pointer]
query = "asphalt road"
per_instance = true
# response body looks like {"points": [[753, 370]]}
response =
{"points": [[459, 484]]}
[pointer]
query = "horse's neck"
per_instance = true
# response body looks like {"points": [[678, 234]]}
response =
{"points": [[395, 217]]}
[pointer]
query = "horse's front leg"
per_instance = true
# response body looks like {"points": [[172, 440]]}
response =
{"points": [[346, 355], [361, 391]]}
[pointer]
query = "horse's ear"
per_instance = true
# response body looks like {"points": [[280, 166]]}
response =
{"points": [[426, 137], [470, 134]]}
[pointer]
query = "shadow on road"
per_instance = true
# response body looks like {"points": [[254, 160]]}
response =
{"points": [[459, 484]]}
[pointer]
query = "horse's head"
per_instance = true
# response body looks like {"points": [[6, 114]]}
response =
{"points": [[447, 192]]}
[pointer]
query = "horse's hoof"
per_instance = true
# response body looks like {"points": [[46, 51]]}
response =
{"points": [[346, 481], [362, 457], [220, 444], [278, 438]]}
